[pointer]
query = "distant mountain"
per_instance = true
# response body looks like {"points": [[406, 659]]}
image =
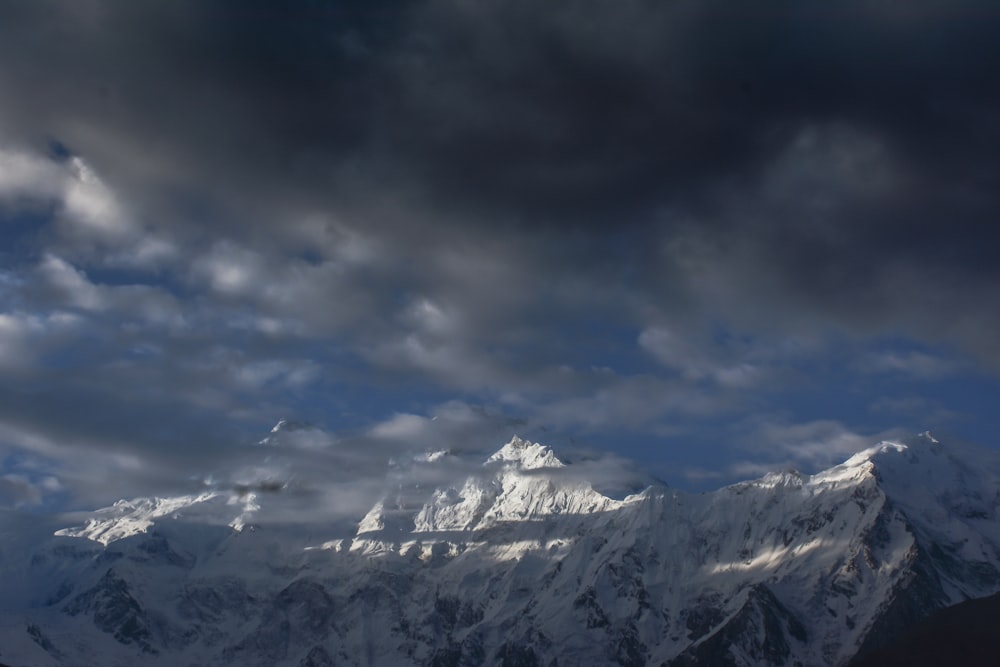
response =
{"points": [[520, 561]]}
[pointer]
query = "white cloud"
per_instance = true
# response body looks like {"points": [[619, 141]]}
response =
{"points": [[771, 444], [15, 331], [447, 360], [231, 269], [813, 440], [135, 303], [145, 251], [669, 349], [696, 362], [915, 364], [430, 340], [290, 373], [90, 215], [73, 283], [401, 426], [24, 337], [23, 175], [337, 241], [89, 203], [289, 295], [19, 490], [916, 409], [274, 327], [92, 471], [808, 446], [738, 376], [325, 295], [637, 402], [455, 426], [431, 318], [825, 161]]}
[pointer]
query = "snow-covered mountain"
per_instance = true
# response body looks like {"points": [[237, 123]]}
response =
{"points": [[518, 562]]}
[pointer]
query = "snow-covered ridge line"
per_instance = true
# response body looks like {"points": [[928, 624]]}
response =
{"points": [[129, 517], [237, 508], [517, 556], [475, 503], [512, 487]]}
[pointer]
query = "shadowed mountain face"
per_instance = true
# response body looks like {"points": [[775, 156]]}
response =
{"points": [[521, 562], [965, 634]]}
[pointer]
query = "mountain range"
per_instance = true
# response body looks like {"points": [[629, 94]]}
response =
{"points": [[516, 561]]}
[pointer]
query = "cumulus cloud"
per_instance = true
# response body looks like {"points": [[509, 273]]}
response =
{"points": [[90, 204], [25, 175], [930, 412], [87, 204], [19, 491], [615, 403], [26, 337], [694, 363], [914, 364], [766, 444], [812, 440], [807, 446], [72, 288]]}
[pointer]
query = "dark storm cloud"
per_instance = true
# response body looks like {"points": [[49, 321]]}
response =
{"points": [[567, 111], [614, 122], [221, 202]]}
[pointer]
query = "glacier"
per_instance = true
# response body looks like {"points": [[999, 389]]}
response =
{"points": [[516, 561]]}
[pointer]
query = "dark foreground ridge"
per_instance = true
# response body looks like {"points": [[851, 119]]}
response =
{"points": [[966, 634]]}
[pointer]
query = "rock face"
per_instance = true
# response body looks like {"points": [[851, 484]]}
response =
{"points": [[523, 563]]}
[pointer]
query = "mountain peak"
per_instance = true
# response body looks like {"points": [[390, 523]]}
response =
{"points": [[926, 435], [526, 454], [289, 425], [911, 449], [293, 433], [131, 517], [872, 453]]}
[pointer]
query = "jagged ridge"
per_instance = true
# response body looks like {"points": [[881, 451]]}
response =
{"points": [[521, 562]]}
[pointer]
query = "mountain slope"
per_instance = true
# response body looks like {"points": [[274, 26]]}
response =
{"points": [[521, 562], [966, 634]]}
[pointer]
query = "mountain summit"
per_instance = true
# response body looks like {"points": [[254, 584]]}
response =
{"points": [[518, 560]]}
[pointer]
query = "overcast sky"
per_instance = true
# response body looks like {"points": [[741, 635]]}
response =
{"points": [[710, 237]]}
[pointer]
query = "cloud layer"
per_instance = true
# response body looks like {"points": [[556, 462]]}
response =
{"points": [[639, 224]]}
